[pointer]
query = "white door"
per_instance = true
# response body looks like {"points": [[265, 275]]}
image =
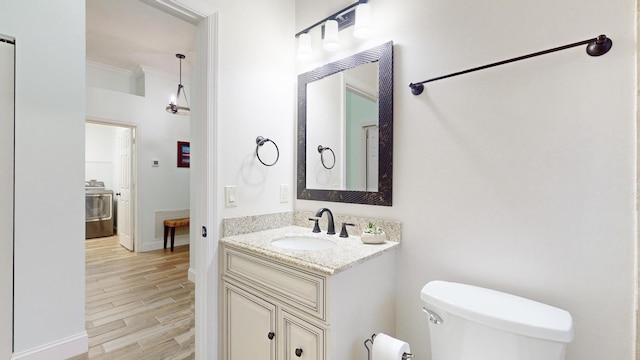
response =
{"points": [[124, 139], [6, 197]]}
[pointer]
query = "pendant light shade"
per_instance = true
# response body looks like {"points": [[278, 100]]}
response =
{"points": [[304, 46], [362, 28], [331, 40], [174, 106]]}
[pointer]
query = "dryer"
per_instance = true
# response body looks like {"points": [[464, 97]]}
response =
{"points": [[98, 210]]}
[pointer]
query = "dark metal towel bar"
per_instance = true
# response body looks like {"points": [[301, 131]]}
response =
{"points": [[596, 47]]}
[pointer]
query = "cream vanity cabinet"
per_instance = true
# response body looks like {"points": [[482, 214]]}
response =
{"points": [[273, 309]]}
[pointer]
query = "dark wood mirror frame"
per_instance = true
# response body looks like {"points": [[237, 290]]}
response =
{"points": [[383, 54]]}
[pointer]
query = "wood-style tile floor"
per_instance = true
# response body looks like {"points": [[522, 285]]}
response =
{"points": [[138, 305]]}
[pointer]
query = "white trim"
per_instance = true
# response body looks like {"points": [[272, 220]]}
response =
{"points": [[191, 275], [179, 240], [159, 73], [204, 118], [8, 38], [139, 70], [109, 68], [190, 11], [61, 349], [137, 238]]}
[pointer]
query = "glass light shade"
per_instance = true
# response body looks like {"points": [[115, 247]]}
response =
{"points": [[304, 47], [331, 38], [362, 28]]}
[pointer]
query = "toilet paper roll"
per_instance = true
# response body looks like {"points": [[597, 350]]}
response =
{"points": [[386, 347]]}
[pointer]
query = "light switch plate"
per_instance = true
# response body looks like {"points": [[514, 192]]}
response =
{"points": [[284, 193], [230, 196]]}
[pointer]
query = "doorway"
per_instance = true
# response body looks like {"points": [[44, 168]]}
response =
{"points": [[110, 162]]}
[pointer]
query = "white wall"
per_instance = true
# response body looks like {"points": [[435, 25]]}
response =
{"points": [[100, 154], [521, 177], [162, 188], [49, 225], [112, 78], [256, 87]]}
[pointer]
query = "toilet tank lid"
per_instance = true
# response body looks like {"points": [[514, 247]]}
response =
{"points": [[499, 310]]}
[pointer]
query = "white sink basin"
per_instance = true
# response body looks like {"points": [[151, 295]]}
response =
{"points": [[303, 243]]}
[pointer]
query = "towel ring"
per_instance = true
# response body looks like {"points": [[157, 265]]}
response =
{"points": [[261, 141], [321, 150]]}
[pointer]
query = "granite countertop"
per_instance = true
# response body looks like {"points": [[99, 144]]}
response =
{"points": [[348, 252]]}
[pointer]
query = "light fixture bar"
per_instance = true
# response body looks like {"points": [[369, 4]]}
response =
{"points": [[597, 46], [334, 16]]}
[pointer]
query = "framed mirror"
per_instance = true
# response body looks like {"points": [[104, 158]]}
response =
{"points": [[345, 129]]}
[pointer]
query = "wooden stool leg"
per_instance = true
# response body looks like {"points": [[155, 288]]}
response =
{"points": [[173, 233], [166, 232]]}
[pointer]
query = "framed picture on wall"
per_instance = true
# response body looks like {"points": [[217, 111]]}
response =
{"points": [[184, 154]]}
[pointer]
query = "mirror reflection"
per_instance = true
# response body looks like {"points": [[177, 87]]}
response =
{"points": [[345, 129], [342, 123]]}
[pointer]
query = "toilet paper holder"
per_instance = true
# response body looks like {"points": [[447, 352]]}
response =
{"points": [[405, 356]]}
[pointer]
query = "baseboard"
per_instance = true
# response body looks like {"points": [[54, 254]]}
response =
{"points": [[62, 349], [159, 244], [192, 275]]}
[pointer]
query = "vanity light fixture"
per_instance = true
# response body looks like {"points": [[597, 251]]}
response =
{"points": [[304, 47], [331, 37], [362, 28], [357, 14], [173, 107]]}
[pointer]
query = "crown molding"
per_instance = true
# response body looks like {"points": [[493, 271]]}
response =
{"points": [[192, 11], [159, 73], [109, 68]]}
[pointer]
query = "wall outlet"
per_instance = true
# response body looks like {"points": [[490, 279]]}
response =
{"points": [[284, 193], [230, 196], [155, 163]]}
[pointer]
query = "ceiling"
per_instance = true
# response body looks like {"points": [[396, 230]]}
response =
{"points": [[129, 33]]}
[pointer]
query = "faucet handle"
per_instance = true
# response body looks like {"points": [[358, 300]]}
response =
{"points": [[316, 227], [343, 232]]}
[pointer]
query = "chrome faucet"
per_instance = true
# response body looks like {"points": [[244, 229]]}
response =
{"points": [[331, 229]]}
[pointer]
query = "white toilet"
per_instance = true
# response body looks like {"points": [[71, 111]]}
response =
{"points": [[472, 323]]}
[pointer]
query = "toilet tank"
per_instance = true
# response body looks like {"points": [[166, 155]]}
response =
{"points": [[473, 323]]}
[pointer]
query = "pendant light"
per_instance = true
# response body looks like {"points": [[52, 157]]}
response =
{"points": [[173, 107]]}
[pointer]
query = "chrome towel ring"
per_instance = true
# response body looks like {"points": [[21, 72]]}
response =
{"points": [[321, 150], [261, 141]]}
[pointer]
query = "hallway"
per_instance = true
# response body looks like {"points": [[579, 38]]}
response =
{"points": [[138, 305]]}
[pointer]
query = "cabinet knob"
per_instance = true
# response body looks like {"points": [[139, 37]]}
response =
{"points": [[271, 335], [298, 352]]}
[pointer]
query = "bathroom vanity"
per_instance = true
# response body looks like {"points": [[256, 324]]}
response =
{"points": [[285, 303]]}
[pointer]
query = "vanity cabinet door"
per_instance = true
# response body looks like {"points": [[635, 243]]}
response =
{"points": [[302, 340], [249, 326]]}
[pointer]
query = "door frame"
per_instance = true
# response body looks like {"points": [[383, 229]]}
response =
{"points": [[134, 170], [204, 185], [7, 331]]}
